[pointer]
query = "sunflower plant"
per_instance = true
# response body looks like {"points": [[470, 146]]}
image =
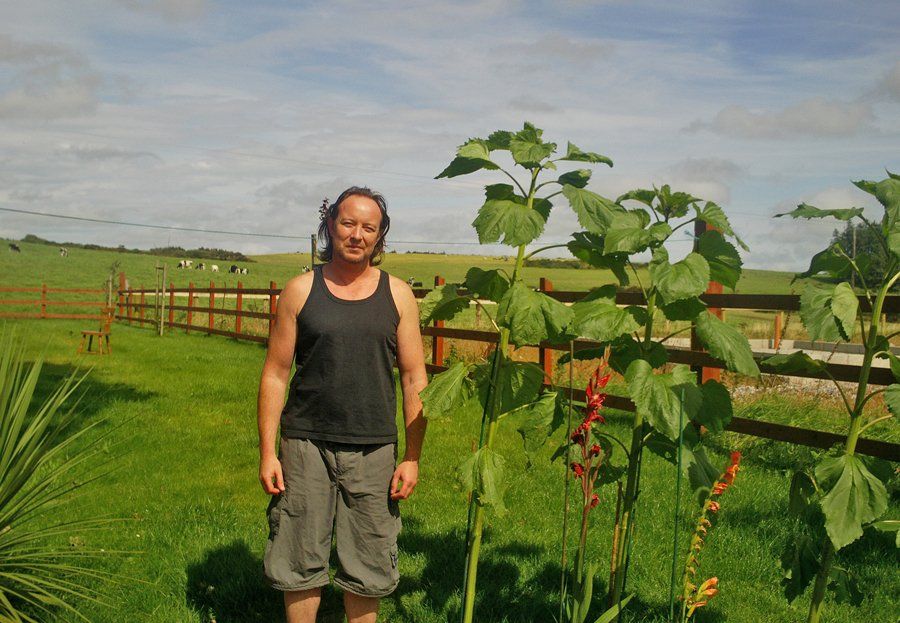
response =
{"points": [[844, 493], [513, 214]]}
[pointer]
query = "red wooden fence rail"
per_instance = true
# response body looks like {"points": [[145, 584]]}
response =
{"points": [[47, 299]]}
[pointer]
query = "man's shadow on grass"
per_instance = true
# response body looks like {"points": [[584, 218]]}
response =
{"points": [[504, 593], [228, 586]]}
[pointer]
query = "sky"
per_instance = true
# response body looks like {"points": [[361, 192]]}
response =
{"points": [[243, 116]]}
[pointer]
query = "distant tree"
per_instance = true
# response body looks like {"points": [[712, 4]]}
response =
{"points": [[868, 245]]}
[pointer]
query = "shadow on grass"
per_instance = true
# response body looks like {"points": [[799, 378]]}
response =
{"points": [[93, 395], [228, 586]]}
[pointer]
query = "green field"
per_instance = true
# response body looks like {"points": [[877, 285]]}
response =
{"points": [[40, 263], [179, 420], [179, 415]]}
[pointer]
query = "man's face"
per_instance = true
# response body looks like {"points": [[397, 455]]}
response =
{"points": [[356, 229]]}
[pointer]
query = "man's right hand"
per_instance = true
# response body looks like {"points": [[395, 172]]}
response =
{"points": [[270, 475]]}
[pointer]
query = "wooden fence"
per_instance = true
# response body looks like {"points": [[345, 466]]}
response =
{"points": [[48, 301], [132, 307]]}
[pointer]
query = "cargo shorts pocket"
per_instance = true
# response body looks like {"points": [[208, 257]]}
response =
{"points": [[273, 513]]}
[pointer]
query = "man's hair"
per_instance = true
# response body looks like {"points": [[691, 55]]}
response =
{"points": [[331, 212]]}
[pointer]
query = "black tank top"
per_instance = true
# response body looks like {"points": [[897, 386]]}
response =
{"points": [[343, 389]]}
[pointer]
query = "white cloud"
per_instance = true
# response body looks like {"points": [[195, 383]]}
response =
{"points": [[889, 85], [103, 152], [814, 117], [49, 81], [171, 10]]}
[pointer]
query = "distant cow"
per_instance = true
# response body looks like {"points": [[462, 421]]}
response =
{"points": [[14, 248], [185, 263], [243, 271], [63, 252], [234, 269], [214, 268], [201, 266]]}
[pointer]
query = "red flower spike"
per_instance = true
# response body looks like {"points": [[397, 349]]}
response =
{"points": [[595, 450], [714, 507], [595, 499], [578, 468]]}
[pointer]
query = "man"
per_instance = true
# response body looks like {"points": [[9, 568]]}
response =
{"points": [[344, 323]]}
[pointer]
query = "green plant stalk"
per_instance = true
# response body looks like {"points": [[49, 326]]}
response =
{"points": [[566, 478], [818, 596], [492, 423], [618, 567]]}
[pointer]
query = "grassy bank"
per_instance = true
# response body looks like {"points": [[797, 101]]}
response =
{"points": [[179, 413]]}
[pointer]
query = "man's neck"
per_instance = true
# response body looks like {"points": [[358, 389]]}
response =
{"points": [[345, 273]]}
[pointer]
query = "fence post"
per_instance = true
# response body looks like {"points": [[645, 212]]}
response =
{"points": [[238, 306], [272, 306], [43, 300], [129, 304], [141, 310], [212, 304], [545, 355], [171, 304], [779, 327], [437, 342], [190, 313], [706, 374], [121, 293]]}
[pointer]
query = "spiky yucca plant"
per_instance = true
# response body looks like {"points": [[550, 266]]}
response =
{"points": [[39, 451]]}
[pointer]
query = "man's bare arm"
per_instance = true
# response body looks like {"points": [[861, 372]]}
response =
{"points": [[274, 380], [411, 363]]}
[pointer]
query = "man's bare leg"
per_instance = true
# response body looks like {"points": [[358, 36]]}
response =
{"points": [[301, 606], [360, 609]]}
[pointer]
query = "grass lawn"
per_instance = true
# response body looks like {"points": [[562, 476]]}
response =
{"points": [[179, 415]]}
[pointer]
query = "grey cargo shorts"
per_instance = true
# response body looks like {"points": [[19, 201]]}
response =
{"points": [[336, 488]]}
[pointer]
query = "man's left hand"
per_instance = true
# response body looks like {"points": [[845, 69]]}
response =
{"points": [[404, 481]]}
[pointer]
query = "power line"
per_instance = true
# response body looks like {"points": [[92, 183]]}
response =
{"points": [[149, 226]]}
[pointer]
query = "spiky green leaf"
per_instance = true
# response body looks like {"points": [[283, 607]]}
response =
{"points": [[505, 215], [816, 313], [486, 284], [483, 474], [576, 155], [518, 383], [603, 320], [471, 156], [442, 303], [807, 211], [799, 564], [588, 247], [715, 410], [892, 399], [796, 363], [534, 422], [723, 259], [578, 178], [855, 497], [844, 307], [533, 317], [595, 213], [684, 279], [658, 396], [727, 344], [447, 392]]}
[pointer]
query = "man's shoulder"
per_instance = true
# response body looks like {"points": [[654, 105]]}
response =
{"points": [[296, 290], [400, 288]]}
